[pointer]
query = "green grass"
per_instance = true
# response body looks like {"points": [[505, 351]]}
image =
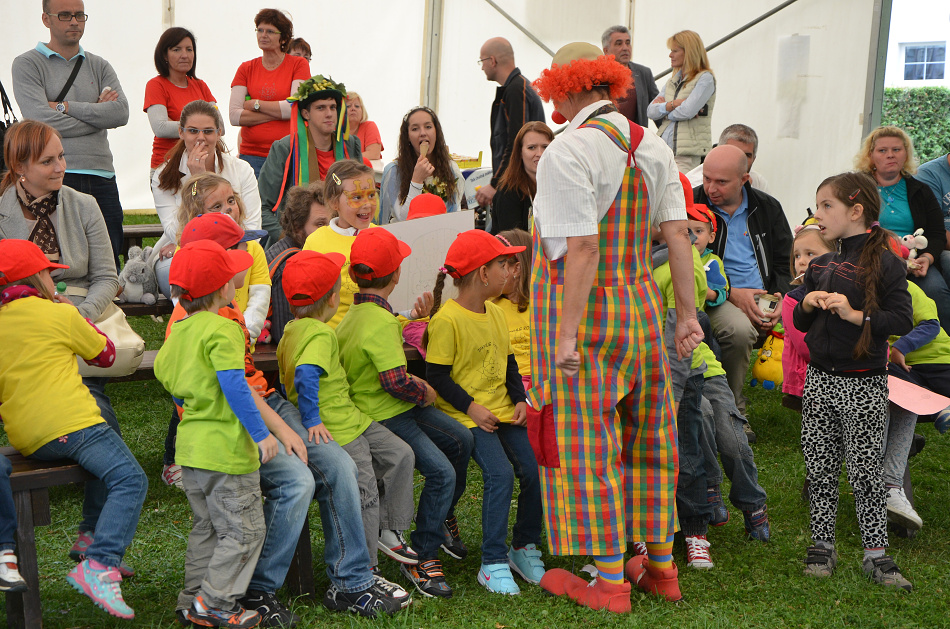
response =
{"points": [[752, 585]]}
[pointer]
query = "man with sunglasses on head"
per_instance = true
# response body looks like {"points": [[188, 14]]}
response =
{"points": [[78, 94]]}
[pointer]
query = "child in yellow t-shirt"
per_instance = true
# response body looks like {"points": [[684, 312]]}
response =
{"points": [[39, 381], [471, 365], [515, 299], [207, 193], [310, 369]]}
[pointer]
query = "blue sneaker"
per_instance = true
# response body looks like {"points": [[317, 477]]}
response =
{"points": [[720, 514], [497, 579], [527, 563], [757, 524], [942, 421], [101, 584]]}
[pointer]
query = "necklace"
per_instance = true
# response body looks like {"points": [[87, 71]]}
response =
{"points": [[887, 196]]}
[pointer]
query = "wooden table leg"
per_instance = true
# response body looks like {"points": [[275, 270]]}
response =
{"points": [[300, 574], [23, 609]]}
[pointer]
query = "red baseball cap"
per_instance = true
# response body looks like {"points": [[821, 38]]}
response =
{"points": [[472, 249], [426, 204], [696, 211], [309, 275], [20, 259], [203, 266], [218, 227], [379, 250]]}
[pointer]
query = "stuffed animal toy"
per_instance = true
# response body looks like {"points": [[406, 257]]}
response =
{"points": [[767, 368], [138, 281], [914, 242]]}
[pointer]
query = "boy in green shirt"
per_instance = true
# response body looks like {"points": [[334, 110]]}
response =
{"points": [[202, 365], [310, 369], [372, 353]]}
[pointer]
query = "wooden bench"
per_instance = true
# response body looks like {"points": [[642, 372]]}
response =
{"points": [[132, 235], [30, 482], [161, 307]]}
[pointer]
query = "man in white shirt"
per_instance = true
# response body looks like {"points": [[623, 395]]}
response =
{"points": [[745, 138]]}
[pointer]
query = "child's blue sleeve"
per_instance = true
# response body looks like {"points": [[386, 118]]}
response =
{"points": [[307, 383], [239, 397], [716, 280], [923, 333], [180, 403]]}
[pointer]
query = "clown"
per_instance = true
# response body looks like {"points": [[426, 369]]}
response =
{"points": [[319, 136], [606, 436]]}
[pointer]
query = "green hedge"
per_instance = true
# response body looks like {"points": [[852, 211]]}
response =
{"points": [[924, 113]]}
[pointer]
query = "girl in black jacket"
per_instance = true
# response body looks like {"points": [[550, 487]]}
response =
{"points": [[855, 298]]}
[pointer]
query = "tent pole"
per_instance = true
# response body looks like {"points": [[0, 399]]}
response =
{"points": [[874, 92], [432, 54], [521, 28], [168, 14]]}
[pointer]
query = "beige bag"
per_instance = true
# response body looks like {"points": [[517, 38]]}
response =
{"points": [[129, 346]]}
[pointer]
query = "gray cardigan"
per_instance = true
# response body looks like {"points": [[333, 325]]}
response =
{"points": [[84, 246]]}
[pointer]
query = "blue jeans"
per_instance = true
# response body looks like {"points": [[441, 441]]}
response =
{"points": [[106, 193], [724, 426], [7, 508], [691, 503], [288, 488], [442, 447], [497, 453], [256, 162], [101, 452], [935, 286], [338, 494], [95, 489]]}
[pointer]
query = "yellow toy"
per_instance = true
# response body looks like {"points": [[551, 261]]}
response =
{"points": [[767, 368]]}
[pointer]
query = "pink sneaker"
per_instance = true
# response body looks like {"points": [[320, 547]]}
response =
{"points": [[101, 584], [80, 546]]}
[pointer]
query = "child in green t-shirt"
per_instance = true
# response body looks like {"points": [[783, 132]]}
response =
{"points": [[202, 365], [703, 225], [309, 359], [372, 353]]}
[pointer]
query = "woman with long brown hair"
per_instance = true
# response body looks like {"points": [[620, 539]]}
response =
{"points": [[422, 165], [511, 205]]}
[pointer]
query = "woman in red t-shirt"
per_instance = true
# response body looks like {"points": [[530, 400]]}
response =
{"points": [[261, 86], [175, 86], [362, 127]]}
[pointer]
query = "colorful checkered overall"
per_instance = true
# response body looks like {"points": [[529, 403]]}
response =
{"points": [[613, 422]]}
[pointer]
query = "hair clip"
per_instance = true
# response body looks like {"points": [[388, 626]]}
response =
{"points": [[443, 270], [800, 228], [503, 239], [336, 180], [854, 195], [194, 188], [875, 224]]}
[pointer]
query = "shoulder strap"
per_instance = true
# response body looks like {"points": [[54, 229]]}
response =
{"points": [[281, 257], [70, 80], [9, 117]]}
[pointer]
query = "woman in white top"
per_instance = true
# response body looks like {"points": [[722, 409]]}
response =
{"points": [[198, 150], [413, 173]]}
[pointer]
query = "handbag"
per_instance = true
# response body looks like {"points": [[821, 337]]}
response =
{"points": [[9, 119], [129, 346]]}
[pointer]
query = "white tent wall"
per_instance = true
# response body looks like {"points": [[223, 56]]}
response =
{"points": [[382, 60]]}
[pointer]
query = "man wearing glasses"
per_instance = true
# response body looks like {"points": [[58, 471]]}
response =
{"points": [[81, 103], [516, 103]]}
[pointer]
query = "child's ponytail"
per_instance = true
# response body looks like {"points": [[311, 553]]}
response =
{"points": [[436, 302]]}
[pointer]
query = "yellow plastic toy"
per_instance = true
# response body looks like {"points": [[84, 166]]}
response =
{"points": [[767, 368]]}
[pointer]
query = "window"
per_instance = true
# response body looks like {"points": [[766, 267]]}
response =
{"points": [[924, 61]]}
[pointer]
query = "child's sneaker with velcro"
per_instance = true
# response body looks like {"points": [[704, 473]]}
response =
{"points": [[395, 546], [882, 570], [453, 544], [101, 584], [83, 541], [236, 617], [428, 578], [369, 603], [10, 578], [273, 612], [757, 524], [527, 563], [720, 514], [497, 579]]}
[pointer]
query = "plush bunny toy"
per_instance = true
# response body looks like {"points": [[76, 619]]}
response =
{"points": [[138, 281]]}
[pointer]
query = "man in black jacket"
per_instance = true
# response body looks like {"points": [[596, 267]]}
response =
{"points": [[755, 243], [616, 41], [516, 103]]}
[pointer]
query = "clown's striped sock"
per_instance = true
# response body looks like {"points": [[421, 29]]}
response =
{"points": [[610, 568], [661, 554]]}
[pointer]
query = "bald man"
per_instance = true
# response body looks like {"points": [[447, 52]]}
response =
{"points": [[755, 243], [515, 103]]}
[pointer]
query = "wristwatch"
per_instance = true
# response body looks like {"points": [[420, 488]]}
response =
{"points": [[61, 107], [257, 105]]}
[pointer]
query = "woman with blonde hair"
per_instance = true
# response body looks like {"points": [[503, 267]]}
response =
{"points": [[683, 112], [371, 143], [887, 155]]}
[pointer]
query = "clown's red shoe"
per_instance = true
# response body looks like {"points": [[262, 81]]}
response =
{"points": [[653, 580], [559, 582], [600, 594]]}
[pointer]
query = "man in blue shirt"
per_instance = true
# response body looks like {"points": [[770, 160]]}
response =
{"points": [[936, 174], [755, 243]]}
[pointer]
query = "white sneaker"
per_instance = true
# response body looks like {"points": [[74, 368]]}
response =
{"points": [[697, 553], [900, 511], [10, 579]]}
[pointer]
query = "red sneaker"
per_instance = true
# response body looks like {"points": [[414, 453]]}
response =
{"points": [[653, 580], [600, 594], [560, 582]]}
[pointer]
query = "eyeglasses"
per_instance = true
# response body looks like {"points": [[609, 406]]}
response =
{"points": [[482, 61], [358, 199], [206, 132], [66, 16], [266, 31]]}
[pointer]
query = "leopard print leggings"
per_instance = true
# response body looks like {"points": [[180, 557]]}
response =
{"points": [[843, 419]]}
